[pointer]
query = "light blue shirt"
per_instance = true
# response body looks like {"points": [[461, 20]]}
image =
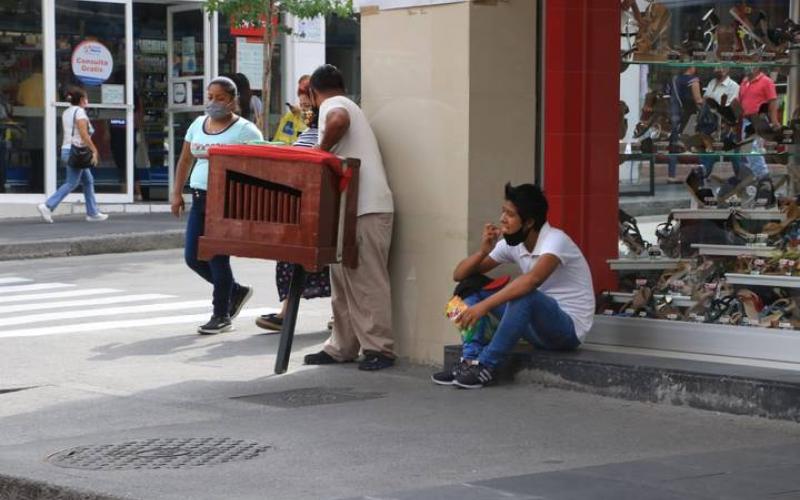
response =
{"points": [[238, 132]]}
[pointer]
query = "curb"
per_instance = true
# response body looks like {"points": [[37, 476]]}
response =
{"points": [[27, 489], [93, 245]]}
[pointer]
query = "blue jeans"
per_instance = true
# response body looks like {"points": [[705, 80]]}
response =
{"points": [[536, 317], [710, 161], [75, 176], [216, 271], [757, 163]]}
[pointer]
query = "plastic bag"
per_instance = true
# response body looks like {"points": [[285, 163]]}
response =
{"points": [[481, 332], [289, 128]]}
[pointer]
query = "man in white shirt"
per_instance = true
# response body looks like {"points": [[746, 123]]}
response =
{"points": [[551, 305], [361, 297], [723, 91]]}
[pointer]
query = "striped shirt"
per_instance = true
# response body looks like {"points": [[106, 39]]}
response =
{"points": [[307, 139]]}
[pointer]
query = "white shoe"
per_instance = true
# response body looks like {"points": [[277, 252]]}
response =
{"points": [[97, 218], [47, 214]]}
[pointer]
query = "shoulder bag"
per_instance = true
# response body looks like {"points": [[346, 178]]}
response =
{"points": [[79, 156]]}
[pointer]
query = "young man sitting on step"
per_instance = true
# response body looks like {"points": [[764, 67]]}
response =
{"points": [[551, 305]]}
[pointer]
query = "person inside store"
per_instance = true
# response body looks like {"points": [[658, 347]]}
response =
{"points": [[723, 91], [78, 132], [757, 92], [551, 305], [316, 284], [30, 94], [219, 125], [360, 297], [292, 123], [250, 105], [686, 99]]}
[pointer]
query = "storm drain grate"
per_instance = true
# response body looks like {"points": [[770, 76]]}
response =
{"points": [[164, 453], [309, 396]]}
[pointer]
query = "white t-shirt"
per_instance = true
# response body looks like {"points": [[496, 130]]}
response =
{"points": [[570, 284], [69, 118], [716, 89], [374, 195]]}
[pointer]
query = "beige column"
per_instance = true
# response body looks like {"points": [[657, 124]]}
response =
{"points": [[449, 90]]}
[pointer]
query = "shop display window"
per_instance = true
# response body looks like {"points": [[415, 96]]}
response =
{"points": [[21, 97], [709, 126]]}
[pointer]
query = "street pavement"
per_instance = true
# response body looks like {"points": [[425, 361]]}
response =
{"points": [[106, 388]]}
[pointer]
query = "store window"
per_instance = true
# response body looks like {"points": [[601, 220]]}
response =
{"points": [[90, 53], [21, 98], [708, 175], [343, 50]]}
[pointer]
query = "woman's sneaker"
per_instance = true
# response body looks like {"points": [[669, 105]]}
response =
{"points": [[98, 217], [448, 377], [217, 324], [46, 213], [239, 298], [475, 377]]}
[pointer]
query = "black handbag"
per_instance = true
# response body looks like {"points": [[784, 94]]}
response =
{"points": [[79, 156]]}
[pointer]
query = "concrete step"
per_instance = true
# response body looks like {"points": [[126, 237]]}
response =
{"points": [[728, 388]]}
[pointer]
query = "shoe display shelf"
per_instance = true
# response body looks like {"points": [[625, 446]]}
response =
{"points": [[644, 264]]}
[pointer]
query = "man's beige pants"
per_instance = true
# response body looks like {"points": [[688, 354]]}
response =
{"points": [[361, 297]]}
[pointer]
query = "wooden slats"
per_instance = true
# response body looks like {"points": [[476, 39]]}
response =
{"points": [[253, 202]]}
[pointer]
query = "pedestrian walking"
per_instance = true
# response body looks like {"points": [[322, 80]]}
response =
{"points": [[316, 284], [219, 126], [78, 155], [361, 297]]}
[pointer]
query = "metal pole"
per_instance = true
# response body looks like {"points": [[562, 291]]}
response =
{"points": [[290, 319], [791, 97]]}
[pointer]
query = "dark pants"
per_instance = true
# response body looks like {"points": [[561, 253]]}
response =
{"points": [[216, 271]]}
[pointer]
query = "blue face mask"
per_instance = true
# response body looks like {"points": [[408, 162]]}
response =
{"points": [[217, 110]]}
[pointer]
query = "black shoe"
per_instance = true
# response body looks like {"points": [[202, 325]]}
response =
{"points": [[270, 322], [475, 377], [217, 324], [448, 377], [239, 298], [320, 358], [375, 361]]}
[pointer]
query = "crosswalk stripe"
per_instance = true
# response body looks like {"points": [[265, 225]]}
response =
{"points": [[97, 301], [130, 323], [8, 281], [34, 287], [58, 295], [108, 311]]}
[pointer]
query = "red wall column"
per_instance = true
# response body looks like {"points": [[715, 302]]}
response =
{"points": [[581, 126]]}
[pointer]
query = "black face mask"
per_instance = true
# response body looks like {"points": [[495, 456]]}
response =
{"points": [[518, 237]]}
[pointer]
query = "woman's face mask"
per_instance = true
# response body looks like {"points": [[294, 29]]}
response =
{"points": [[219, 110]]}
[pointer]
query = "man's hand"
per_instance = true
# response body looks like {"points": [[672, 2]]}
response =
{"points": [[469, 317], [177, 205], [489, 238]]}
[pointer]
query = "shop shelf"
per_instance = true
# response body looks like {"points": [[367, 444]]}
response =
{"points": [[734, 250], [648, 156], [644, 264], [763, 280], [714, 64], [677, 300], [724, 213]]}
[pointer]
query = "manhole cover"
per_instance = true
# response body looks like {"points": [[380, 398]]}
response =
{"points": [[309, 396], [167, 453]]}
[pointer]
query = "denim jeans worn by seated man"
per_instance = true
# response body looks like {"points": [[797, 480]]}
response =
{"points": [[75, 176], [535, 317]]}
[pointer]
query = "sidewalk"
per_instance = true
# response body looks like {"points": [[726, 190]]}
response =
{"points": [[73, 235]]}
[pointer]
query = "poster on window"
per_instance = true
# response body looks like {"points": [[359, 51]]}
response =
{"points": [[92, 63], [250, 61], [310, 30], [188, 56]]}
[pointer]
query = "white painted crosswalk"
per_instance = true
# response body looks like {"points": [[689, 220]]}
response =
{"points": [[29, 308]]}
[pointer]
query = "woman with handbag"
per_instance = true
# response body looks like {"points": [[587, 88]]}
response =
{"points": [[78, 154]]}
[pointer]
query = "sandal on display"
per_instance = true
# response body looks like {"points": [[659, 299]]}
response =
{"points": [[630, 235], [694, 183], [665, 309], [752, 306], [668, 237], [778, 314], [726, 310]]}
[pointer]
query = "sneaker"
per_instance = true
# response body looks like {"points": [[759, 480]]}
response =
{"points": [[475, 377], [374, 361], [320, 358], [98, 217], [47, 214], [217, 324], [448, 377], [270, 322], [239, 299]]}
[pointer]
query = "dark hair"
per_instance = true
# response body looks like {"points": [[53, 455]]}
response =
{"points": [[227, 84], [74, 95], [530, 203], [326, 78], [245, 94]]}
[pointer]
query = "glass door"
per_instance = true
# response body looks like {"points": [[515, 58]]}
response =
{"points": [[92, 47], [189, 64]]}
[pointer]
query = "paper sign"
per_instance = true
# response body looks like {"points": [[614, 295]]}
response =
{"points": [[181, 94], [188, 56], [112, 94], [309, 30], [92, 63], [250, 61]]}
